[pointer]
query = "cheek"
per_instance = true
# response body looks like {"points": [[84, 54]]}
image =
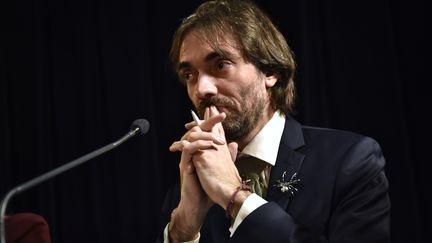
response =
{"points": [[191, 94], [190, 90]]}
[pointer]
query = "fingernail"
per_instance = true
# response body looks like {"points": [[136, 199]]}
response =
{"points": [[221, 140]]}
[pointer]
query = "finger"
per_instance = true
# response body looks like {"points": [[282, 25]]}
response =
{"points": [[192, 124], [206, 113], [194, 128], [189, 125], [233, 149], [218, 127], [208, 124], [213, 111], [195, 136], [177, 146], [209, 120], [193, 147]]}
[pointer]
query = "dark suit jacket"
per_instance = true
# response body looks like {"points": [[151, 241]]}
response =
{"points": [[342, 194]]}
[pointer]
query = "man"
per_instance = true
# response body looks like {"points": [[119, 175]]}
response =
{"points": [[314, 184]]}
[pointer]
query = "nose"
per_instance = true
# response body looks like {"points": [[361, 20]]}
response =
{"points": [[206, 86]]}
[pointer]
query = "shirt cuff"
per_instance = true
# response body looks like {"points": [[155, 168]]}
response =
{"points": [[251, 203], [166, 238]]}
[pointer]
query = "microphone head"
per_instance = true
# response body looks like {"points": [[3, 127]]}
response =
{"points": [[142, 124]]}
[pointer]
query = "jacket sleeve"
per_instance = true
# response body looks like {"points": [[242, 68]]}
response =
{"points": [[360, 206]]}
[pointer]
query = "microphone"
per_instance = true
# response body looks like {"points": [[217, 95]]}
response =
{"points": [[139, 126], [142, 124]]}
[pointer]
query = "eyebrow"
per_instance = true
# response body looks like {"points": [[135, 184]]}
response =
{"points": [[210, 57]]}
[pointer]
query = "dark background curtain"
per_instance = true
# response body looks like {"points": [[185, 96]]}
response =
{"points": [[75, 74]]}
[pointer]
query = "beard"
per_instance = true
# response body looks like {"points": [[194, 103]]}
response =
{"points": [[240, 121]]}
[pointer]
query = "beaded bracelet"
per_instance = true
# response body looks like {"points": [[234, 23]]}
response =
{"points": [[243, 187]]}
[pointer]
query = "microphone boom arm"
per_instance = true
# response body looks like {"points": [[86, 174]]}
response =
{"points": [[50, 174]]}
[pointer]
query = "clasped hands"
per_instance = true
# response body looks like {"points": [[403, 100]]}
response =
{"points": [[207, 173]]}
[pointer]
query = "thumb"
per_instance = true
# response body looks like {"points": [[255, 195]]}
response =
{"points": [[233, 146]]}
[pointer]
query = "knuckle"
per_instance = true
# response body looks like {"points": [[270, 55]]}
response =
{"points": [[195, 129], [189, 148], [192, 136], [184, 144]]}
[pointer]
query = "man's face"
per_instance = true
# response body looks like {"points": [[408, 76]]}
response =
{"points": [[228, 82]]}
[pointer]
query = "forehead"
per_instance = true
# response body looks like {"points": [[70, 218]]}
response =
{"points": [[195, 46]]}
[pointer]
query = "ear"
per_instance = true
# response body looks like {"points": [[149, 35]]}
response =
{"points": [[270, 79]]}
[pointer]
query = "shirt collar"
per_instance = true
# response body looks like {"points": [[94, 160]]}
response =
{"points": [[265, 144]]}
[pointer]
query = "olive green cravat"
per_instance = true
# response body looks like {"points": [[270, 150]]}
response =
{"points": [[256, 171]]}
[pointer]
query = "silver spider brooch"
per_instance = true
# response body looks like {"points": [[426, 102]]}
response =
{"points": [[288, 186]]}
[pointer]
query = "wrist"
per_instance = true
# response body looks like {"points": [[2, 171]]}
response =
{"points": [[238, 202], [183, 227], [237, 198], [177, 236]]}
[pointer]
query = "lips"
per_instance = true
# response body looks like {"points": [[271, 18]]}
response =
{"points": [[221, 108], [222, 104]]}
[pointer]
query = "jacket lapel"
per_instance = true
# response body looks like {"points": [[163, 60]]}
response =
{"points": [[288, 161]]}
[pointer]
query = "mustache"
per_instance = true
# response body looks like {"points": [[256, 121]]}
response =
{"points": [[214, 101]]}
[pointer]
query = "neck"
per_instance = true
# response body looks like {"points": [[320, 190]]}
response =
{"points": [[266, 116]]}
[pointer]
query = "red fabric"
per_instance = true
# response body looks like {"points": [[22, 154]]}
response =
{"points": [[27, 228]]}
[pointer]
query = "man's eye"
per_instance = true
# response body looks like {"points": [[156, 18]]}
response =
{"points": [[222, 64], [186, 76]]}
